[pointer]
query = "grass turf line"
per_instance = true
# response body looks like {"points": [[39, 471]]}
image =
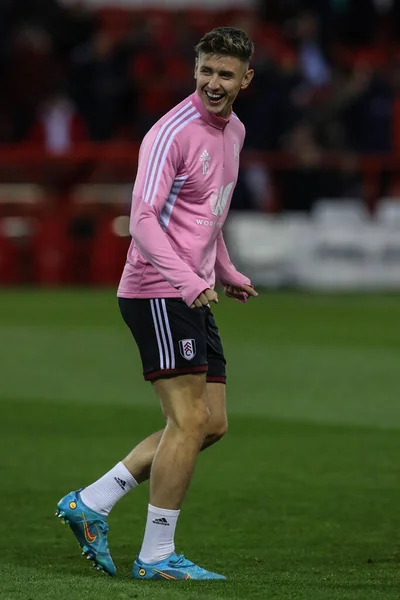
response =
{"points": [[285, 508]]}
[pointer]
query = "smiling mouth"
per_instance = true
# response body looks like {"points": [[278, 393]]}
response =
{"points": [[214, 98]]}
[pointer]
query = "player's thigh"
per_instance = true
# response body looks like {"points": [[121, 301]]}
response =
{"points": [[180, 396], [171, 337], [184, 399]]}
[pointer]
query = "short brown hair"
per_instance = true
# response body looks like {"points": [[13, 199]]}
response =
{"points": [[228, 41]]}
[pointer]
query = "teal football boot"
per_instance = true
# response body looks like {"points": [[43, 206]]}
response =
{"points": [[175, 566], [90, 529]]}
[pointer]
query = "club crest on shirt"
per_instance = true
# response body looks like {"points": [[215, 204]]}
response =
{"points": [[187, 349], [205, 159]]}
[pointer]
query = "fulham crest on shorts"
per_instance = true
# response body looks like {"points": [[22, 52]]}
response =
{"points": [[187, 349]]}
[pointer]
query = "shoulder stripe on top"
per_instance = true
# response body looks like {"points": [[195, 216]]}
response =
{"points": [[161, 146], [160, 132], [170, 140]]}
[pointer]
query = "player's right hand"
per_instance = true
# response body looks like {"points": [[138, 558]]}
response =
{"points": [[205, 298]]}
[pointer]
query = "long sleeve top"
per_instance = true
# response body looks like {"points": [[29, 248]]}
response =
{"points": [[187, 171]]}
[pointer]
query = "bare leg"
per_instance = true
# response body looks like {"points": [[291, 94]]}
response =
{"points": [[184, 403], [140, 459]]}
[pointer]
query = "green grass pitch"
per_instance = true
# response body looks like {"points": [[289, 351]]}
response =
{"points": [[300, 501]]}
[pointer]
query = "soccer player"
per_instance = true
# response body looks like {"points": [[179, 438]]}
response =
{"points": [[187, 171]]}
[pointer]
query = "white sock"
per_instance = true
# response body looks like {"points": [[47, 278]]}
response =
{"points": [[104, 493], [158, 542]]}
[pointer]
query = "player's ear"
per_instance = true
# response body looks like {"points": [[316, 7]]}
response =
{"points": [[248, 76], [196, 62]]}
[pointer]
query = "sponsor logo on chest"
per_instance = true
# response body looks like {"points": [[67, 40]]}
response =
{"points": [[218, 201]]}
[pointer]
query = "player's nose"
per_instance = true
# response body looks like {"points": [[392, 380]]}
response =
{"points": [[213, 84]]}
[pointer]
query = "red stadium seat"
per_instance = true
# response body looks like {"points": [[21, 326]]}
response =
{"points": [[109, 249], [19, 206], [98, 257], [116, 21], [9, 259], [52, 250]]}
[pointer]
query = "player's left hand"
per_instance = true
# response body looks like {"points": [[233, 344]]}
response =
{"points": [[205, 298], [241, 293]]}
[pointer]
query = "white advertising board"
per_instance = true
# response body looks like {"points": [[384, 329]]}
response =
{"points": [[303, 251]]}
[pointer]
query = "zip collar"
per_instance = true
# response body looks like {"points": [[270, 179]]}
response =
{"points": [[213, 120]]}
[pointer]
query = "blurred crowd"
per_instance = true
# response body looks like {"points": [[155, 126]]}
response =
{"points": [[327, 79]]}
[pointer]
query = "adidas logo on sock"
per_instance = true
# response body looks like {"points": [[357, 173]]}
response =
{"points": [[121, 483], [161, 521]]}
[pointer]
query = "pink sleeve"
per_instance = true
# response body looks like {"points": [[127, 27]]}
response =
{"points": [[157, 170], [225, 272]]}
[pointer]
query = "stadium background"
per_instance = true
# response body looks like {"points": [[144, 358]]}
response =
{"points": [[301, 499]]}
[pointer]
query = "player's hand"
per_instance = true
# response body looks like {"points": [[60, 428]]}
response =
{"points": [[205, 298], [240, 293]]}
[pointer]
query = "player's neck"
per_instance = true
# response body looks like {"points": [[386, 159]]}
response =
{"points": [[211, 119]]}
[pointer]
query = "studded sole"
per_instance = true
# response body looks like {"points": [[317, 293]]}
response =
{"points": [[85, 550]]}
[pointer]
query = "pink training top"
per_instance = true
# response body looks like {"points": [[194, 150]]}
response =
{"points": [[187, 171]]}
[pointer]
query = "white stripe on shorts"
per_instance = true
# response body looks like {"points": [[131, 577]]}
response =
{"points": [[163, 336], [160, 350], [163, 333], [171, 343]]}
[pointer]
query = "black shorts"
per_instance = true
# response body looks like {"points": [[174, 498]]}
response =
{"points": [[174, 339]]}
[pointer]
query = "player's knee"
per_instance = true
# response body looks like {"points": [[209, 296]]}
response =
{"points": [[198, 418], [216, 431], [194, 418]]}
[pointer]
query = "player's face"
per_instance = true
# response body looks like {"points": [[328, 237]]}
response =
{"points": [[219, 79]]}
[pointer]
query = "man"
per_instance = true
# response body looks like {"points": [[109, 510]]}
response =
{"points": [[188, 167]]}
